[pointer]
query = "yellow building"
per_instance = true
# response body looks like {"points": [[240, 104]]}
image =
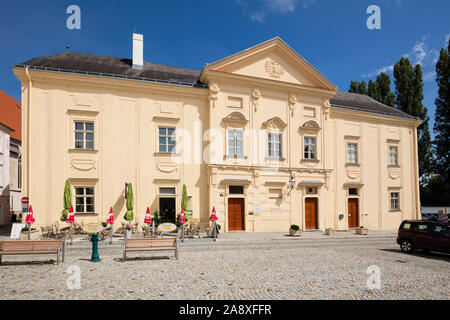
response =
{"points": [[261, 135]]}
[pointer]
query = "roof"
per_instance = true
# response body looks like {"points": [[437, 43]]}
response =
{"points": [[91, 64], [360, 102], [11, 115], [69, 61]]}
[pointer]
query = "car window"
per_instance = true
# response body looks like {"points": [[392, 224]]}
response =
{"points": [[441, 230], [406, 226], [421, 227]]}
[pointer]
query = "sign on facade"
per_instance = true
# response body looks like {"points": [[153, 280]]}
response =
{"points": [[15, 230]]}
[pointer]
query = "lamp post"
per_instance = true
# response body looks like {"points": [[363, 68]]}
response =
{"points": [[291, 183]]}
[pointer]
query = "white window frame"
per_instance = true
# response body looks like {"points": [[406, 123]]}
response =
{"points": [[352, 153], [166, 137], [84, 196], [84, 132], [234, 140], [396, 200], [393, 155], [308, 154], [273, 143]]}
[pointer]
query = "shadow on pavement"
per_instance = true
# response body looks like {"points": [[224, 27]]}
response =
{"points": [[26, 263], [422, 254], [143, 258]]}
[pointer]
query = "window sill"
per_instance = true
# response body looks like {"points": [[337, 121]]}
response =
{"points": [[166, 154], [310, 160], [395, 211], [228, 157], [83, 150], [393, 166], [352, 164], [275, 159], [85, 214]]}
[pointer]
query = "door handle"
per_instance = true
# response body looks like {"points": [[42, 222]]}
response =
{"points": [[349, 214]]}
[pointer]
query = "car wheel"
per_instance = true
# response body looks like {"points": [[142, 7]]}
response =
{"points": [[407, 246]]}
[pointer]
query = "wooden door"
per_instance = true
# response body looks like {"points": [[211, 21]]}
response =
{"points": [[353, 213], [311, 221], [236, 214]]}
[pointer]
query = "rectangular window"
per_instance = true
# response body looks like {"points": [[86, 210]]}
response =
{"points": [[84, 135], [311, 190], [166, 191], [352, 153], [166, 140], [275, 145], [235, 143], [84, 200], [310, 148], [393, 155], [236, 190], [395, 201], [353, 191]]}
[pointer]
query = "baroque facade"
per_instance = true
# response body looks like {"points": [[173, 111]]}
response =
{"points": [[261, 135]]}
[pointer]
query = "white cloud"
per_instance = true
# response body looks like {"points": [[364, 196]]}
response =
{"points": [[419, 54], [273, 6]]}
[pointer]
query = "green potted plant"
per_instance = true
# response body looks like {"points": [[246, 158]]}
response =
{"points": [[127, 231], [294, 230], [34, 234], [362, 230]]}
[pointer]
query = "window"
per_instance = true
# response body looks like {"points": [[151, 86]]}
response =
{"points": [[310, 148], [84, 200], [166, 191], [235, 142], [421, 227], [311, 190], [84, 135], [275, 145], [166, 140], [395, 201], [352, 153], [236, 190], [406, 226], [353, 191], [393, 155]]}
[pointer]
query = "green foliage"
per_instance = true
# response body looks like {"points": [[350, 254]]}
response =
{"points": [[156, 218], [384, 94], [358, 87], [442, 123], [295, 227], [409, 96]]}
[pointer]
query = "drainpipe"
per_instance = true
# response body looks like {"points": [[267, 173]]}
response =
{"points": [[27, 148]]}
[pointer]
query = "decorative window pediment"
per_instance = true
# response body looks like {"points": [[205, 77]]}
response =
{"points": [[274, 124], [235, 117], [310, 125]]}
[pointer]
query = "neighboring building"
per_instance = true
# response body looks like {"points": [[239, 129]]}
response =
{"points": [[434, 206], [10, 157], [261, 135]]}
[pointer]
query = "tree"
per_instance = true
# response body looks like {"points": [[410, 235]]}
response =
{"points": [[372, 90], [409, 96], [384, 95], [442, 122], [358, 87]]}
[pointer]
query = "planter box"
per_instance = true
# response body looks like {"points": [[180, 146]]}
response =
{"points": [[35, 235], [329, 232], [293, 232], [127, 234], [362, 231]]}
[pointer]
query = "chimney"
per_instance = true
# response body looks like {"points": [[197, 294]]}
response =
{"points": [[138, 51]]}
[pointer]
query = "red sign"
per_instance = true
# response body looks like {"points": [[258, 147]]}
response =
{"points": [[25, 200]]}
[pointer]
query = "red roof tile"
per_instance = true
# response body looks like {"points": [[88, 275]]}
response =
{"points": [[11, 114]]}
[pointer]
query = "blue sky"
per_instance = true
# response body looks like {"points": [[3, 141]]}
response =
{"points": [[330, 34]]}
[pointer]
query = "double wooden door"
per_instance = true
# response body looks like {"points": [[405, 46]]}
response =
{"points": [[311, 221], [353, 213], [236, 214]]}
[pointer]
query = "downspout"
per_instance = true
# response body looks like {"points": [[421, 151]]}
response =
{"points": [[416, 171], [27, 115]]}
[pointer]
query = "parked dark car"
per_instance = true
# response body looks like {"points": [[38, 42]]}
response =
{"points": [[424, 234]]}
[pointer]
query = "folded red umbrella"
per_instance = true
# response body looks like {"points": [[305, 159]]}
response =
{"points": [[213, 216], [110, 218], [148, 217], [71, 216], [29, 218], [182, 220]]}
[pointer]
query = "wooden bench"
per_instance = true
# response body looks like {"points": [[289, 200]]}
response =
{"points": [[16, 247], [149, 244]]}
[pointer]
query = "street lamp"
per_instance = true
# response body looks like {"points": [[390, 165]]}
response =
{"points": [[291, 183]]}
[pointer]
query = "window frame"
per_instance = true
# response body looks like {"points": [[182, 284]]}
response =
{"points": [[352, 153], [397, 199], [235, 139], [84, 196], [307, 153], [396, 155], [166, 136], [84, 133], [271, 142]]}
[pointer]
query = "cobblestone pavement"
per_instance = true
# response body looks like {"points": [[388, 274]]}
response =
{"points": [[247, 269]]}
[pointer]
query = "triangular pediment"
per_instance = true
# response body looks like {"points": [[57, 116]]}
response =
{"points": [[273, 60]]}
